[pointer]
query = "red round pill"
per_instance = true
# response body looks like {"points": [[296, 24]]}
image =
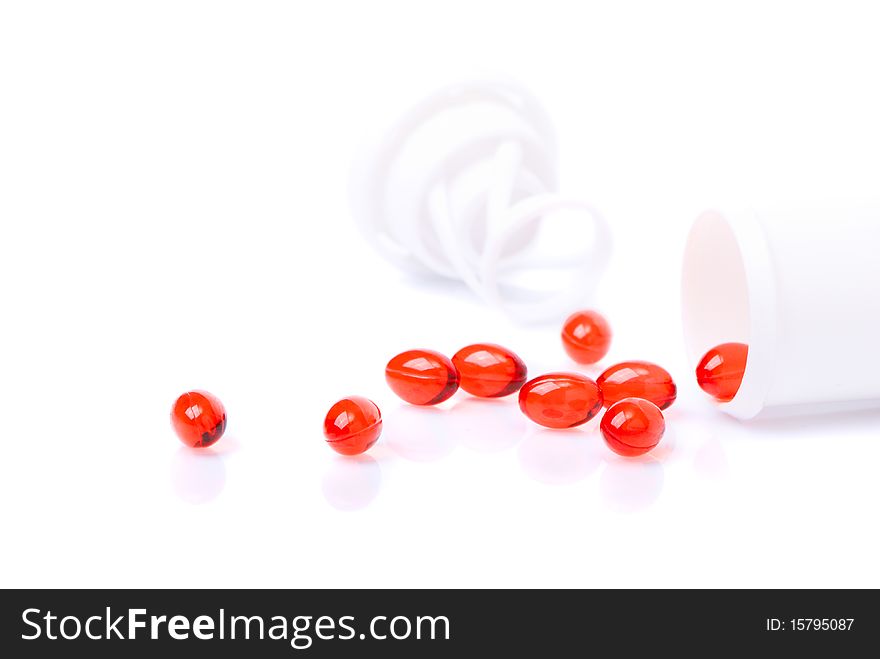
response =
{"points": [[488, 370], [353, 425], [422, 377], [720, 372], [638, 380], [586, 337], [198, 418], [633, 426], [560, 400]]}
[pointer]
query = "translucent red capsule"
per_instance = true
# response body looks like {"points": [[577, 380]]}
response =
{"points": [[422, 377], [353, 425], [720, 372], [638, 379], [198, 418], [488, 370], [586, 337], [632, 426], [560, 400]]}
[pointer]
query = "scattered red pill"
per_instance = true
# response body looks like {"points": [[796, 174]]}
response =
{"points": [[353, 425], [422, 377], [198, 418], [489, 371], [637, 380], [633, 426], [586, 337], [720, 372], [560, 400]]}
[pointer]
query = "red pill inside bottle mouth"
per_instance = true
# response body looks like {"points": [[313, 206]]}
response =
{"points": [[721, 370]]}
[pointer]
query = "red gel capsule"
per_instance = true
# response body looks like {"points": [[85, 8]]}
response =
{"points": [[422, 377], [638, 380], [489, 371], [198, 418], [353, 425], [720, 372], [560, 400], [586, 337], [633, 426]]}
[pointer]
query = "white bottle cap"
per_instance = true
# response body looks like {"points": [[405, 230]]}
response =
{"points": [[457, 188], [798, 283]]}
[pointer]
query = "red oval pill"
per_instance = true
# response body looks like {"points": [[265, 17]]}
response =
{"points": [[560, 400], [352, 425], [488, 370], [586, 336], [633, 426], [422, 377], [199, 418], [637, 379]]}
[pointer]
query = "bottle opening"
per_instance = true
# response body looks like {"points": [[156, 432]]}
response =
{"points": [[715, 291], [718, 300]]}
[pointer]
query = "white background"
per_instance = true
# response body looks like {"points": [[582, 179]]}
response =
{"points": [[173, 215]]}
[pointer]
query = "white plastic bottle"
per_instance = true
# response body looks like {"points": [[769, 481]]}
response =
{"points": [[800, 284]]}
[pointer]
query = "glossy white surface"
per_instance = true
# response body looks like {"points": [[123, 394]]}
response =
{"points": [[173, 214]]}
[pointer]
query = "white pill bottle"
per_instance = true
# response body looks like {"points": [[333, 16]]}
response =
{"points": [[800, 284]]}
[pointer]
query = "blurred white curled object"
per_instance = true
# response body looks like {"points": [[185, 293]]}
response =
{"points": [[463, 186]]}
